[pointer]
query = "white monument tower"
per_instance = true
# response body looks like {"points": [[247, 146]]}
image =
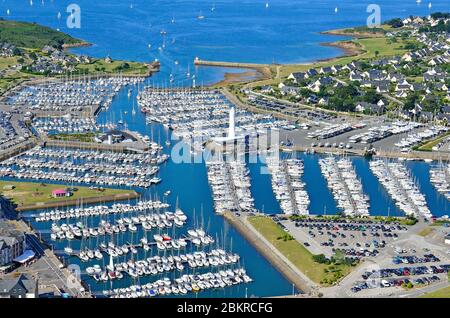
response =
{"points": [[231, 129], [231, 123]]}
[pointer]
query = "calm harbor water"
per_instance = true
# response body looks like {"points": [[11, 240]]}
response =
{"points": [[287, 31], [235, 31]]}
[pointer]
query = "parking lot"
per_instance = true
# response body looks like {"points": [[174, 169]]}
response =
{"points": [[355, 239], [395, 259], [383, 135], [429, 269]]}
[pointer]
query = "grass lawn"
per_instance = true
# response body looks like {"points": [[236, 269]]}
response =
{"points": [[28, 193], [100, 66], [6, 62], [428, 146], [297, 253], [426, 231], [387, 219], [84, 137], [368, 45], [441, 293]]}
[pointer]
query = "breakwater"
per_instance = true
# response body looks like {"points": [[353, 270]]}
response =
{"points": [[269, 252]]}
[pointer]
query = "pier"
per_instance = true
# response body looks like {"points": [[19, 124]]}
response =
{"points": [[135, 147], [264, 69], [256, 66], [289, 186], [283, 265]]}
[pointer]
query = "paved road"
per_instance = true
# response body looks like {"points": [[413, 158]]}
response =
{"points": [[50, 259], [387, 96]]}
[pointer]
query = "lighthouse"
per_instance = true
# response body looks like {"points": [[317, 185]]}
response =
{"points": [[231, 122], [231, 136]]}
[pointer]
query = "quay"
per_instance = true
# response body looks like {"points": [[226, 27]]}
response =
{"points": [[74, 202], [413, 155], [18, 149], [283, 265], [198, 61], [264, 69], [133, 147]]}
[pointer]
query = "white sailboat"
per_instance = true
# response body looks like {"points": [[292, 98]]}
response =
{"points": [[111, 264], [267, 5], [336, 10], [133, 111]]}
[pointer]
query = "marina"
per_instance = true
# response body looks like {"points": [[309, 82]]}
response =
{"points": [[67, 125], [186, 232], [230, 183], [440, 178], [71, 96], [156, 265], [183, 285], [346, 187], [197, 116], [89, 167], [396, 179], [287, 186], [99, 210]]}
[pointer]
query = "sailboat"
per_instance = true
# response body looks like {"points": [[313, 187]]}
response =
{"points": [[68, 250], [336, 10], [188, 74], [418, 1], [429, 5], [267, 5], [200, 16], [167, 140], [133, 111], [120, 122]]}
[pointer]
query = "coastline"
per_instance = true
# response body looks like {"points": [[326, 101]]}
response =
{"points": [[352, 33], [287, 269], [348, 47], [255, 70], [236, 78], [75, 45]]}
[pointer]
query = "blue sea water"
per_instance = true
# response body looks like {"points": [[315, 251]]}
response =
{"points": [[244, 31], [287, 31]]}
